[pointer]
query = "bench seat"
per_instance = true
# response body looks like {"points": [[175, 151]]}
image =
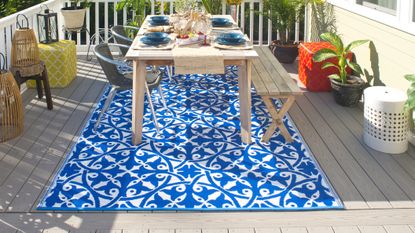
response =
{"points": [[271, 80]]}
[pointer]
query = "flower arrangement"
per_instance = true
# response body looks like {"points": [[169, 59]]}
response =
{"points": [[190, 22]]}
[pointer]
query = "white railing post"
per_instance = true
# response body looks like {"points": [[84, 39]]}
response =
{"points": [[306, 23], [261, 23], [97, 34], [251, 21], [115, 13], [106, 25], [243, 16]]}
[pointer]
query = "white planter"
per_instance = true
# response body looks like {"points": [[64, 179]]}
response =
{"points": [[74, 19]]}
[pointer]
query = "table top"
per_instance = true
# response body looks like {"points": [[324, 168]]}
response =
{"points": [[133, 54]]}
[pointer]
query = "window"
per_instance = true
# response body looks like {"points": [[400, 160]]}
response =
{"points": [[387, 6], [399, 14]]}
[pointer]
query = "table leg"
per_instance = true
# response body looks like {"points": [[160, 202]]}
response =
{"points": [[139, 78], [244, 83]]}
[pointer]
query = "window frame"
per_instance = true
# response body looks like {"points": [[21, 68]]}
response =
{"points": [[402, 20]]}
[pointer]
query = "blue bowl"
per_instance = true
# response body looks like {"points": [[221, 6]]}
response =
{"points": [[225, 42], [232, 37], [147, 41], [160, 19], [156, 36], [220, 20]]}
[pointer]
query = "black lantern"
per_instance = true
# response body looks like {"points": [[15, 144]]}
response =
{"points": [[47, 26]]}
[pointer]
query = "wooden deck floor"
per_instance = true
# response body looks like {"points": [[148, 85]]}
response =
{"points": [[378, 190]]}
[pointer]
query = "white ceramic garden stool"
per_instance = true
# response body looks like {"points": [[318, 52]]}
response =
{"points": [[385, 123]]}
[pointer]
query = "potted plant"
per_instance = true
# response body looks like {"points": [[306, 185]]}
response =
{"points": [[74, 15], [410, 106], [284, 14], [347, 89], [138, 7]]}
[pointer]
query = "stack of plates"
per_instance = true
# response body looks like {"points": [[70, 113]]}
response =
{"points": [[231, 38], [160, 20], [221, 22], [155, 38]]}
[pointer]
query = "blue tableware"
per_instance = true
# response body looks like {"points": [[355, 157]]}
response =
{"points": [[151, 23], [221, 22], [226, 42], [233, 37], [157, 36], [148, 41], [159, 19]]}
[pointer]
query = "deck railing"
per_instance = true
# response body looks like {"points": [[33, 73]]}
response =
{"points": [[102, 15]]}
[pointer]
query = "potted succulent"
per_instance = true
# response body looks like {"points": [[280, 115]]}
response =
{"points": [[74, 15], [410, 106], [284, 14], [347, 89]]}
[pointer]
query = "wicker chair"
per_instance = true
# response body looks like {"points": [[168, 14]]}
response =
{"points": [[120, 34], [120, 78]]}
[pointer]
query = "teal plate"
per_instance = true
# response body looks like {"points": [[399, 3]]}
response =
{"points": [[148, 41]]}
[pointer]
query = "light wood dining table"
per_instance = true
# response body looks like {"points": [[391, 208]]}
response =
{"points": [[142, 58]]}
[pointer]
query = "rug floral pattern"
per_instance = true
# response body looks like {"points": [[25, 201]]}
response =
{"points": [[197, 162]]}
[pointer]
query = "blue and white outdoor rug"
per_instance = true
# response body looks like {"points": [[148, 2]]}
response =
{"points": [[197, 163]]}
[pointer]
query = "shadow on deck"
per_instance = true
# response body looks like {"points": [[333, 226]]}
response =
{"points": [[376, 188]]}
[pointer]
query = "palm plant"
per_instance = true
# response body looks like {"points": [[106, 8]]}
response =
{"points": [[137, 6], [213, 7], [340, 52], [284, 14]]}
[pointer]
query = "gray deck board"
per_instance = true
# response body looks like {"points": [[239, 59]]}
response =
{"points": [[387, 162], [350, 196], [352, 164], [377, 189], [380, 178], [30, 191]]}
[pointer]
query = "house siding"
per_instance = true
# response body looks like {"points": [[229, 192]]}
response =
{"points": [[388, 59]]}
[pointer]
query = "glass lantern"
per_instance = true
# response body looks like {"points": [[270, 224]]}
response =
{"points": [[47, 25]]}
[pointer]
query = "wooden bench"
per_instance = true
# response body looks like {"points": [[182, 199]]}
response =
{"points": [[271, 80]]}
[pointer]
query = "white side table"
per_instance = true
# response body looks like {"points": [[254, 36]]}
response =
{"points": [[385, 122]]}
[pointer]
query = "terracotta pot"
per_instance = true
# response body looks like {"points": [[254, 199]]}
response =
{"points": [[73, 18]]}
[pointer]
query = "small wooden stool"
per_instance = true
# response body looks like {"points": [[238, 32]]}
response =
{"points": [[38, 73]]}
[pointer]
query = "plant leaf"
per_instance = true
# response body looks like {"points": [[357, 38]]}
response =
{"points": [[355, 44], [354, 66], [334, 40], [410, 77], [329, 64], [411, 102], [324, 54], [334, 76]]}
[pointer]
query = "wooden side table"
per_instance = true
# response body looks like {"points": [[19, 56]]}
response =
{"points": [[60, 60]]}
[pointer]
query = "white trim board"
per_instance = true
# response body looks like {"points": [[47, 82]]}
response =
{"points": [[402, 20]]}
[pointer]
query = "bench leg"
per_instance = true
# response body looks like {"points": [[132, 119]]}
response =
{"points": [[277, 118]]}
